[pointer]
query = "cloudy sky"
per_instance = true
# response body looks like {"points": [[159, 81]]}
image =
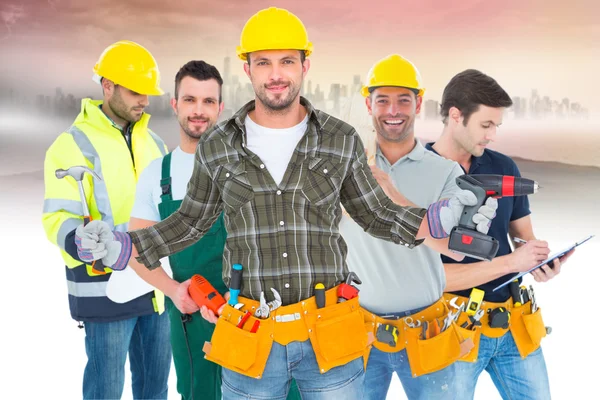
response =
{"points": [[551, 45]]}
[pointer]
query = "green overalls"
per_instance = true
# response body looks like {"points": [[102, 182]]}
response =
{"points": [[205, 258]]}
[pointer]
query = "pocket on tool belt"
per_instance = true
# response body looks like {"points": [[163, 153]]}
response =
{"points": [[238, 349], [535, 326], [470, 334], [527, 329], [429, 355], [338, 334]]}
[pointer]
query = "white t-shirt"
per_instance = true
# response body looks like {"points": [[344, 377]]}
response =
{"points": [[274, 146], [147, 197], [126, 285]]}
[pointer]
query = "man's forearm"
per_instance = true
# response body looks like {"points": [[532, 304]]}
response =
{"points": [[156, 277], [466, 276], [167, 237]]}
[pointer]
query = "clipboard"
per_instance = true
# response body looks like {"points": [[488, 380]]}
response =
{"points": [[549, 259]]}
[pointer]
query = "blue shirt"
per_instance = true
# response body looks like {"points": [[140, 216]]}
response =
{"points": [[509, 209]]}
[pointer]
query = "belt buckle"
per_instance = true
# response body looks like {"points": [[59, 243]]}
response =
{"points": [[287, 317]]}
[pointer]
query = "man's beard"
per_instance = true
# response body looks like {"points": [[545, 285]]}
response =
{"points": [[280, 103], [120, 109], [192, 133]]}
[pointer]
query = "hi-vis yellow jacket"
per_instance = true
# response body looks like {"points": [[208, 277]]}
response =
{"points": [[96, 142]]}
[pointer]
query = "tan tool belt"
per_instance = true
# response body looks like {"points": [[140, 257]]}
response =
{"points": [[337, 333], [424, 356], [526, 328]]}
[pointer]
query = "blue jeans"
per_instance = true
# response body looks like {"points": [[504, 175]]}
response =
{"points": [[515, 378], [296, 360], [382, 365], [146, 339]]}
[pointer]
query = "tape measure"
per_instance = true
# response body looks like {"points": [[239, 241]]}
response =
{"points": [[475, 300]]}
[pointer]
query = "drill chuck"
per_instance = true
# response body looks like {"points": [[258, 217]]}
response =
{"points": [[524, 186]]}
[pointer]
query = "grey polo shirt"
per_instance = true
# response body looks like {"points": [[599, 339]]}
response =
{"points": [[394, 278]]}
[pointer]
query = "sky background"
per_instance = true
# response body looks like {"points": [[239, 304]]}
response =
{"points": [[549, 45]]}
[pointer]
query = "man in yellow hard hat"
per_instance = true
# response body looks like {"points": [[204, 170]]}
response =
{"points": [[280, 171], [410, 175], [107, 148]]}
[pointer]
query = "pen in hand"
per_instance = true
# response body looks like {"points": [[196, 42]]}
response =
{"points": [[519, 240]]}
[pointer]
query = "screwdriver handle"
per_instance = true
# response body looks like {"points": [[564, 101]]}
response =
{"points": [[320, 295]]}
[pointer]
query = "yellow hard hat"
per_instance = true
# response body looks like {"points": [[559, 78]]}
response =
{"points": [[394, 70], [273, 29], [130, 65]]}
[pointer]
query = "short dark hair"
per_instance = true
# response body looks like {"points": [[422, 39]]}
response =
{"points": [[470, 89], [201, 71], [302, 57]]}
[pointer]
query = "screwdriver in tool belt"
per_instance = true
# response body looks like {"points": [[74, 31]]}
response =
{"points": [[320, 295], [515, 292]]}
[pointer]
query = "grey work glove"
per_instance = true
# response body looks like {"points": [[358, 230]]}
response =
{"points": [[91, 240], [445, 214], [118, 251], [485, 214], [96, 241]]}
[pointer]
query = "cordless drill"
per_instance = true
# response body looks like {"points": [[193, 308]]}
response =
{"points": [[204, 294], [464, 238]]}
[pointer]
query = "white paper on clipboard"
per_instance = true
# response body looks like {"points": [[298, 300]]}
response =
{"points": [[126, 285], [552, 256]]}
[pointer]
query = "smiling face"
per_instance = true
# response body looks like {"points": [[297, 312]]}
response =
{"points": [[276, 77], [394, 110], [197, 106]]}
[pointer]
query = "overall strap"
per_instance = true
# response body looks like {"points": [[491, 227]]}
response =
{"points": [[165, 180]]}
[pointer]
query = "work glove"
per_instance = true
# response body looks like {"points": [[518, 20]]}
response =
{"points": [[118, 251], [96, 241], [91, 240], [445, 214]]}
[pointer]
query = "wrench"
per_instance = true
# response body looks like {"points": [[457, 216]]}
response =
{"points": [[264, 309]]}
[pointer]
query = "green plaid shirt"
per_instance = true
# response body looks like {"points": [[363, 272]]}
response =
{"points": [[285, 236]]}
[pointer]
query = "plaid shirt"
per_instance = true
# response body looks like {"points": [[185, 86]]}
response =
{"points": [[286, 237]]}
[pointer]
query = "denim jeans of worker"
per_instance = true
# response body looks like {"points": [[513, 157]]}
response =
{"points": [[107, 344], [515, 378], [296, 360], [381, 366]]}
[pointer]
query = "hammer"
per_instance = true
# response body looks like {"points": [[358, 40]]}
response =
{"points": [[77, 173]]}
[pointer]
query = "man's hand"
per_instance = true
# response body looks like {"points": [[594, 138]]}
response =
{"points": [[96, 241], [388, 187], [445, 214], [545, 273], [209, 315], [528, 256], [182, 299], [91, 240], [384, 180]]}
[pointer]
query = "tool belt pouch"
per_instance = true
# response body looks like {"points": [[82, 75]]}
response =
{"points": [[238, 349], [430, 355], [527, 329], [473, 334], [338, 334]]}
